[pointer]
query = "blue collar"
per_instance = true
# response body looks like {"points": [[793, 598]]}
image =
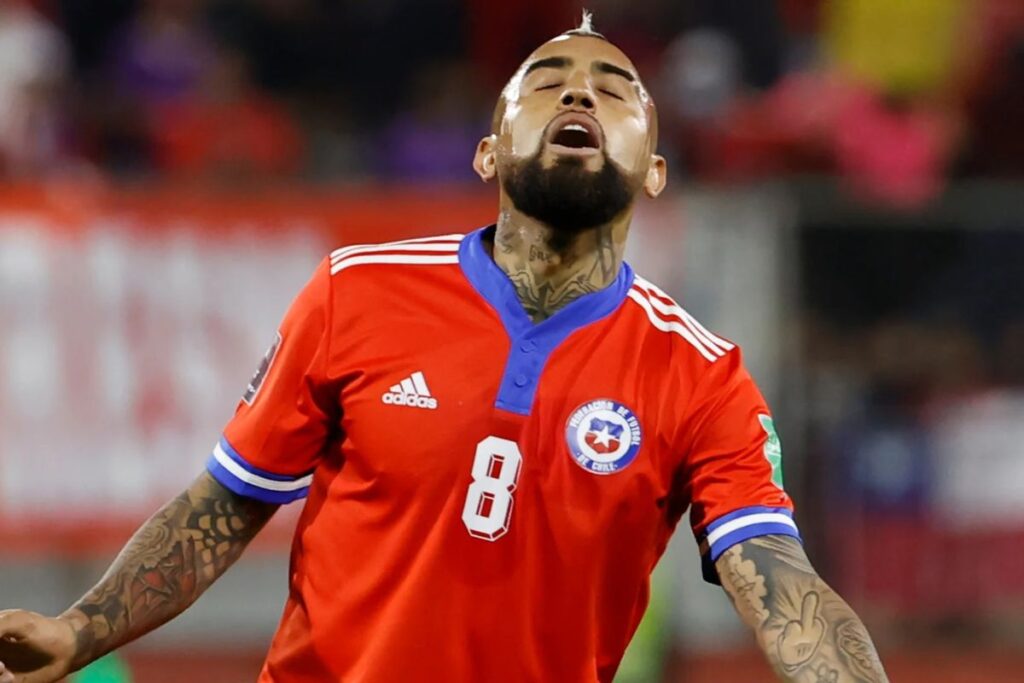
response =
{"points": [[531, 344]]}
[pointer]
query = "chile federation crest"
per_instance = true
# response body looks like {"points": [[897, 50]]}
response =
{"points": [[603, 436]]}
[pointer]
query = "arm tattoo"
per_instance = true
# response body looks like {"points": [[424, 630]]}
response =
{"points": [[807, 631], [166, 566]]}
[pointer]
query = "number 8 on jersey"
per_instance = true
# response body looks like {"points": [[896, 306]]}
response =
{"points": [[488, 509]]}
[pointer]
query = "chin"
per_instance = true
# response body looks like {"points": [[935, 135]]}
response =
{"points": [[593, 163], [573, 193], [584, 166]]}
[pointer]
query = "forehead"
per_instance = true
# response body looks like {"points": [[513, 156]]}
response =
{"points": [[582, 50]]}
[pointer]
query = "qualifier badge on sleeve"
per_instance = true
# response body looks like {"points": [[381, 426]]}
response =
{"points": [[261, 372]]}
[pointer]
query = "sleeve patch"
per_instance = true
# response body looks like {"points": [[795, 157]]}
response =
{"points": [[261, 372], [772, 448]]}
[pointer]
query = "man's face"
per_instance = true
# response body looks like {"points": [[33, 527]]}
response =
{"points": [[575, 140]]}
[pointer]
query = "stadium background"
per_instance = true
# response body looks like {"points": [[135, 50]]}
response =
{"points": [[846, 202]]}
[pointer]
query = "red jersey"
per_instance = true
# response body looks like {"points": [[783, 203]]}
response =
{"points": [[487, 497]]}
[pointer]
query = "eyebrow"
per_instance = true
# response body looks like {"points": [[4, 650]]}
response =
{"points": [[605, 67], [548, 63], [565, 62]]}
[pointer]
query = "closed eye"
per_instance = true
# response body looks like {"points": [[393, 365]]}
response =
{"points": [[612, 94], [549, 87]]}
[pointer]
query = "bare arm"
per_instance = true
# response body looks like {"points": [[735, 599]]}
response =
{"points": [[166, 566], [807, 632]]}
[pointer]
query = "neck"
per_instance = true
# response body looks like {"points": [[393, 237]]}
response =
{"points": [[550, 270]]}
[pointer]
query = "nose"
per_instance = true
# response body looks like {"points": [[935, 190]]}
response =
{"points": [[577, 98]]}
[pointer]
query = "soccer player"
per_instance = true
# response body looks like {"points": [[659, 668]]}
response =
{"points": [[496, 435]]}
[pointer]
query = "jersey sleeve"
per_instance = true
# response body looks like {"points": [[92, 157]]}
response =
{"points": [[734, 463], [271, 446]]}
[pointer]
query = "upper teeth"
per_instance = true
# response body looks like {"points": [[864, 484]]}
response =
{"points": [[576, 126]]}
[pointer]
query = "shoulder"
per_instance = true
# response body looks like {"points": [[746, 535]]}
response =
{"points": [[360, 282], [687, 338], [373, 271], [406, 254]]}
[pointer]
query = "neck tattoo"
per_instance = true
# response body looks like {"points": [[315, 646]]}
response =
{"points": [[548, 273]]}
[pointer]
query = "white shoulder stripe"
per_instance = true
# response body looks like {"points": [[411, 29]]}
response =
{"points": [[385, 248], [670, 325], [407, 259], [453, 238], [728, 346], [641, 281], [702, 332], [651, 287], [683, 317]]}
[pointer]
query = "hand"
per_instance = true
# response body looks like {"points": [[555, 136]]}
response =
{"points": [[801, 637], [34, 648]]}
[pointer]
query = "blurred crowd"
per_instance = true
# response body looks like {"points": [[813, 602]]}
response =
{"points": [[913, 350], [896, 97]]}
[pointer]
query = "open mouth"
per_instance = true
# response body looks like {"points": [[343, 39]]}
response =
{"points": [[575, 132]]}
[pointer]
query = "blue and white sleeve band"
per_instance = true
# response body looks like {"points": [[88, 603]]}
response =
{"points": [[742, 525], [231, 470]]}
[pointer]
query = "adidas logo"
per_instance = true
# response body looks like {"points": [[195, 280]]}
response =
{"points": [[411, 391]]}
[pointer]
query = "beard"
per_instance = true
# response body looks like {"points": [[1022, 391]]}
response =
{"points": [[567, 197]]}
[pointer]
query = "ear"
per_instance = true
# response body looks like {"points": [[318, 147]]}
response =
{"points": [[657, 176], [484, 161]]}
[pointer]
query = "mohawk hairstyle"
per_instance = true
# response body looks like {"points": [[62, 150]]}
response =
{"points": [[586, 27]]}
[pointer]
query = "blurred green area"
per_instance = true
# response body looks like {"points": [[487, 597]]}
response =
{"points": [[110, 669]]}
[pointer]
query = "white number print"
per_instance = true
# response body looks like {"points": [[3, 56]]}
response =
{"points": [[488, 508]]}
